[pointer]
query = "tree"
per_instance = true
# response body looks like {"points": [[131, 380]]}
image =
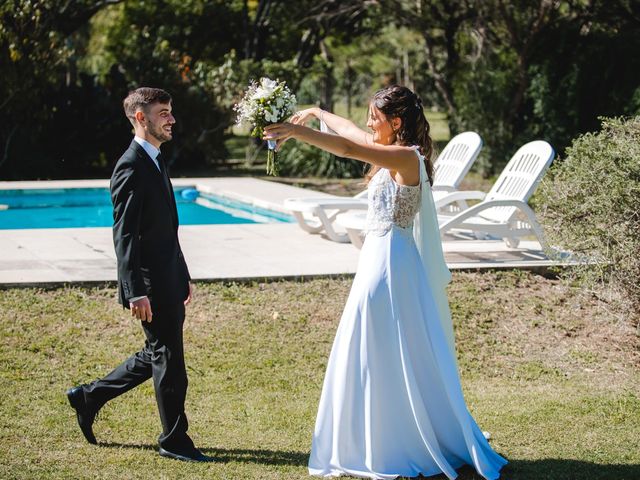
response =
{"points": [[496, 64], [37, 60]]}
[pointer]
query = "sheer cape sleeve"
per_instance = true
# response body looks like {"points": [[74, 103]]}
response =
{"points": [[427, 237]]}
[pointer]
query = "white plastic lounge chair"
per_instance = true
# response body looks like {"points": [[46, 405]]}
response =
{"points": [[496, 214], [455, 160], [317, 214], [453, 164]]}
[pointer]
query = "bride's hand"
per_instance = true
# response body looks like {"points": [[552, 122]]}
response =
{"points": [[280, 132], [303, 116]]}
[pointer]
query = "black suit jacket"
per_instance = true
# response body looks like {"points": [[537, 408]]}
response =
{"points": [[145, 232]]}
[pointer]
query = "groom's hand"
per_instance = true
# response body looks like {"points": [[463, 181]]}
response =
{"points": [[190, 297], [141, 309]]}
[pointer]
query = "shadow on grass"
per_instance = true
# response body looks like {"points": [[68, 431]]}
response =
{"points": [[546, 469], [266, 457], [128, 445], [223, 455]]}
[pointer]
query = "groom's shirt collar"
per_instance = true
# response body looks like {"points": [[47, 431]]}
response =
{"points": [[152, 151]]}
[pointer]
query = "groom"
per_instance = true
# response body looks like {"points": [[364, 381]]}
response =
{"points": [[153, 280]]}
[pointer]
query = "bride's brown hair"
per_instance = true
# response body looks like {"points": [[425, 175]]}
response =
{"points": [[397, 101]]}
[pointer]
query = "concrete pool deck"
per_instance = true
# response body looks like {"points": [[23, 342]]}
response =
{"points": [[46, 257]]}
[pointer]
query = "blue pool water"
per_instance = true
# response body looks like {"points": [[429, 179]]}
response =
{"points": [[91, 207]]}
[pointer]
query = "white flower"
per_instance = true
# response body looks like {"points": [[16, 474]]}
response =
{"points": [[266, 89], [268, 84], [261, 93], [271, 116]]}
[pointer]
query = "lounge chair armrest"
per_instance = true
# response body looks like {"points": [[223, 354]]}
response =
{"points": [[460, 195], [473, 211], [347, 205], [362, 194], [443, 188], [314, 204]]}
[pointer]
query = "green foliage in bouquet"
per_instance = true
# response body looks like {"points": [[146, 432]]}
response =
{"points": [[591, 207]]}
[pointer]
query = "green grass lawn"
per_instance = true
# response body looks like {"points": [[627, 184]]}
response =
{"points": [[552, 375]]}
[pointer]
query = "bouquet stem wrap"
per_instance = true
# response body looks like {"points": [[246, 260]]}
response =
{"points": [[272, 158]]}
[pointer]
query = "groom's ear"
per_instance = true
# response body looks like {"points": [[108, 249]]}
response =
{"points": [[139, 116]]}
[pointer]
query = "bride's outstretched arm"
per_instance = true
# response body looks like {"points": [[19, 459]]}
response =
{"points": [[342, 126], [393, 157]]}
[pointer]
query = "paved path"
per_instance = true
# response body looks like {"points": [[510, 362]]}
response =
{"points": [[53, 256]]}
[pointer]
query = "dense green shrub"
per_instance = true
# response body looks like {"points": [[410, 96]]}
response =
{"points": [[591, 207]]}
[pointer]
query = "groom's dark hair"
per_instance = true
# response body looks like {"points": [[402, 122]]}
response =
{"points": [[143, 97]]}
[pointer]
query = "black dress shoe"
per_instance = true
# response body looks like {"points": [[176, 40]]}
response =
{"points": [[85, 415], [194, 455]]}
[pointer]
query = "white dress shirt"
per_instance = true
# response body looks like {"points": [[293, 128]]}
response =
{"points": [[152, 151]]}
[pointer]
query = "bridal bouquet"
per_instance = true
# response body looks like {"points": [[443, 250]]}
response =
{"points": [[265, 103]]}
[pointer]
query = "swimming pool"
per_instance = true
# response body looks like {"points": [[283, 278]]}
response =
{"points": [[91, 207]]}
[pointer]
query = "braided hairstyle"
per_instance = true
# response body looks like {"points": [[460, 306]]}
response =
{"points": [[397, 101]]}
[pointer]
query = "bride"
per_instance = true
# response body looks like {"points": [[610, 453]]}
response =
{"points": [[392, 403]]}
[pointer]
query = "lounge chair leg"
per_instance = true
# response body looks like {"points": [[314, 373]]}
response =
{"points": [[356, 237], [307, 225], [512, 242], [536, 229], [328, 227]]}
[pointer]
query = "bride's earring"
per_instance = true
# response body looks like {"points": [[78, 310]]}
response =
{"points": [[395, 130], [394, 135]]}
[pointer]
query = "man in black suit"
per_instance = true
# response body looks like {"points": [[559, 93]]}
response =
{"points": [[153, 279]]}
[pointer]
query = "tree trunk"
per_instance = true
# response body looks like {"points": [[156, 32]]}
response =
{"points": [[326, 91], [255, 43], [7, 145], [349, 87], [246, 29], [440, 80], [407, 70]]}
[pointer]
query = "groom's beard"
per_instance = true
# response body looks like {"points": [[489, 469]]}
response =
{"points": [[159, 133]]}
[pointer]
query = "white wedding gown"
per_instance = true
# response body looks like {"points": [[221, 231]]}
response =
{"points": [[392, 403]]}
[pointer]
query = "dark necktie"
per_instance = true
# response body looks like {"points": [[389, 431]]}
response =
{"points": [[167, 185], [163, 172]]}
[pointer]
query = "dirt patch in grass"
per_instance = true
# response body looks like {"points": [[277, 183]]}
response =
{"points": [[526, 326]]}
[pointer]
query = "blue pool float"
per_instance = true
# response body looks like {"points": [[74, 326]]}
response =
{"points": [[190, 194]]}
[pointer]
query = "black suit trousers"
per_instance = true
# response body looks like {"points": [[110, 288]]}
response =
{"points": [[162, 359]]}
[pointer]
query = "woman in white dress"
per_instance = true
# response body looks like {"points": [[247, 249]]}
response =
{"points": [[392, 403]]}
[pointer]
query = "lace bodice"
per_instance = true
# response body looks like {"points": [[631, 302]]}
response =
{"points": [[390, 203]]}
